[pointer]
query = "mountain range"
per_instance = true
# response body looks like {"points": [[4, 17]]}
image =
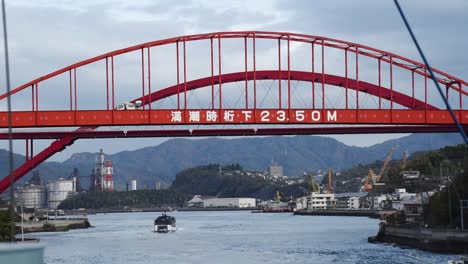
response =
{"points": [[295, 153]]}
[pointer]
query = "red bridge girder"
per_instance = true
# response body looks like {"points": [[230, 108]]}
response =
{"points": [[162, 117], [260, 131]]}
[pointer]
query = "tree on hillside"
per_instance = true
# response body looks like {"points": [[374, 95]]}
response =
{"points": [[5, 225], [437, 212]]}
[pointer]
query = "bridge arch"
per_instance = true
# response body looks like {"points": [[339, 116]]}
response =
{"points": [[450, 82], [365, 87]]}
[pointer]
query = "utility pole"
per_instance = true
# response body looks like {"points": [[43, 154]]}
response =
{"points": [[22, 222], [461, 214], [448, 192], [450, 204]]}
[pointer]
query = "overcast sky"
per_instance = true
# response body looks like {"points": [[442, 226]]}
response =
{"points": [[47, 35]]}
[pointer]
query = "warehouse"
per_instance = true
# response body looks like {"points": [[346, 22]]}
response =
{"points": [[229, 202]]}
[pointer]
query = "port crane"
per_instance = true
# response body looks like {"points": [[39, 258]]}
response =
{"points": [[367, 185], [75, 174], [403, 161], [376, 178], [277, 197], [312, 183], [384, 166], [330, 172]]}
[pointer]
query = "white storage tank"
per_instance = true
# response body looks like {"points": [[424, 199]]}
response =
{"points": [[133, 186], [59, 190], [32, 196]]}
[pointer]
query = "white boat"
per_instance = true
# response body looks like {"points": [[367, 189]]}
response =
{"points": [[165, 224]]}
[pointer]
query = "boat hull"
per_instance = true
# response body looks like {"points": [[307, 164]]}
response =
{"points": [[164, 228]]}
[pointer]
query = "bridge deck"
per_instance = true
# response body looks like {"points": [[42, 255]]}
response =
{"points": [[228, 116]]}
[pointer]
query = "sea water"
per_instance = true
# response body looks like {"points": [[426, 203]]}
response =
{"points": [[227, 237]]}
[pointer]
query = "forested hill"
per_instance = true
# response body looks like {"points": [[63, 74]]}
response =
{"points": [[233, 181]]}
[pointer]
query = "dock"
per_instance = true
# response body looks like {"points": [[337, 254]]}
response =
{"points": [[54, 225], [454, 241], [362, 213]]}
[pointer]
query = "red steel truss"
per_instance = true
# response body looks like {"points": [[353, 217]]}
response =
{"points": [[415, 113]]}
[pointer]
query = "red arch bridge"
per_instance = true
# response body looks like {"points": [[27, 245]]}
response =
{"points": [[231, 84]]}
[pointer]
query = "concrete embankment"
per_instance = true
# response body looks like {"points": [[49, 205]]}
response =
{"points": [[125, 210], [181, 209], [191, 209], [365, 213], [54, 225], [435, 240]]}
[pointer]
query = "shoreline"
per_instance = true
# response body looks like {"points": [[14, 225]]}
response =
{"points": [[54, 225], [358, 213], [453, 241], [160, 210]]}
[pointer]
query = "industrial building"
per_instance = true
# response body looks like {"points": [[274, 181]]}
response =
{"points": [[102, 175], [59, 190], [196, 201], [229, 202], [32, 196]]}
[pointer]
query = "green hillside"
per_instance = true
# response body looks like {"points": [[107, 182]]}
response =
{"points": [[232, 181]]}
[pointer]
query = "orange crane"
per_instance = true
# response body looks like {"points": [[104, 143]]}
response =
{"points": [[376, 178], [367, 185], [330, 171], [278, 197], [403, 161], [313, 184], [387, 159]]}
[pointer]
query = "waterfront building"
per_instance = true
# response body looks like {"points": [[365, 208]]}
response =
{"points": [[342, 202], [353, 202], [350, 200], [381, 202], [229, 202], [196, 201], [301, 203], [322, 201], [413, 211]]}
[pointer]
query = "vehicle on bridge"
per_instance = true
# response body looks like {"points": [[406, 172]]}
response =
{"points": [[129, 106]]}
